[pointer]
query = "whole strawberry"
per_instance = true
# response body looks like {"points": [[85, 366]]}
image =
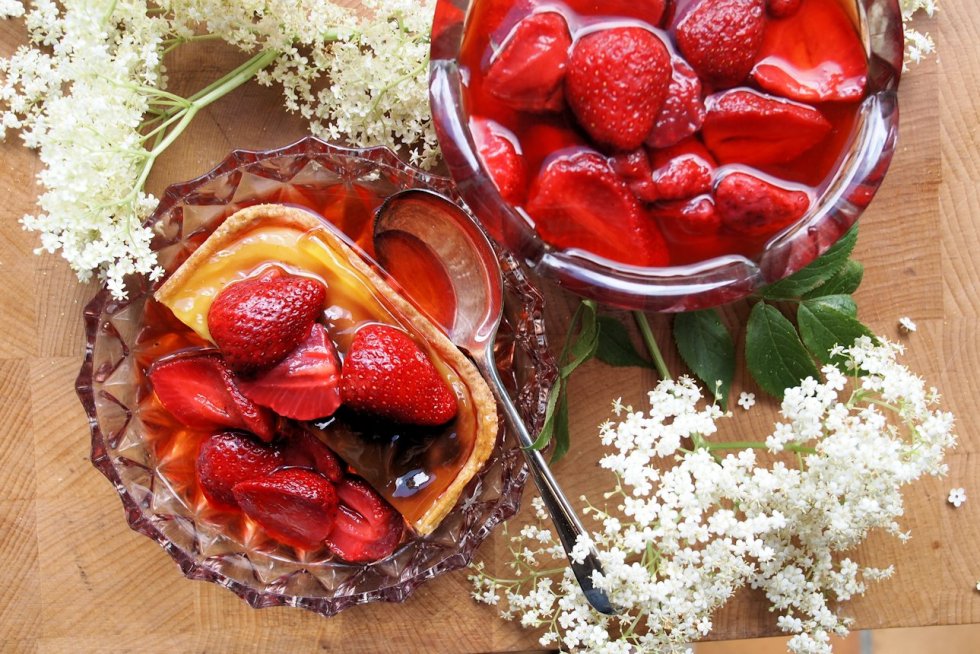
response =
{"points": [[721, 39], [616, 83], [386, 374], [258, 321]]}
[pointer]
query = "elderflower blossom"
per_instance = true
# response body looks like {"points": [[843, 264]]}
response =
{"points": [[89, 92], [907, 325], [746, 400], [918, 45], [691, 521], [957, 497]]}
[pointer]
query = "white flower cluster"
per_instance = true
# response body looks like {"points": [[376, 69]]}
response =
{"points": [[689, 526], [918, 45], [89, 93]]}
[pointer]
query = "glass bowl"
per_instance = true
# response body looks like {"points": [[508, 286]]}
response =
{"points": [[316, 175], [841, 197]]}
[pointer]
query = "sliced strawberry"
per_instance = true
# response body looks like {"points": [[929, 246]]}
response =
{"points": [[229, 458], [578, 201], [635, 170], [258, 321], [304, 450], [305, 385], [367, 527], [754, 207], [721, 38], [498, 152], [616, 84], [387, 374], [756, 129], [782, 8], [528, 70], [200, 392], [682, 218], [295, 506], [815, 55], [682, 112]]}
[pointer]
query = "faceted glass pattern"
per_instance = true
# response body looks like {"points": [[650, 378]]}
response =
{"points": [[316, 175]]}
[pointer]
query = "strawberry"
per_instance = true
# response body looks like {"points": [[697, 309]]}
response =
{"points": [[200, 392], [578, 201], [682, 112], [751, 206], [616, 84], [387, 374], [367, 527], [684, 218], [782, 8], [258, 321], [756, 129], [304, 450], [528, 70], [295, 506], [682, 171], [721, 38], [228, 458], [498, 152], [303, 386], [634, 169], [815, 55]]}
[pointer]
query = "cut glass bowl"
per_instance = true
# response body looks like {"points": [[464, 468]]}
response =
{"points": [[316, 175]]}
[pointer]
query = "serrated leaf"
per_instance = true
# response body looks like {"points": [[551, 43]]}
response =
{"points": [[815, 274], [615, 347], [708, 350], [774, 354], [844, 282], [829, 321]]}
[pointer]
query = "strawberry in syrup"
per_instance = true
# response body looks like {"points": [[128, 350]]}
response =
{"points": [[258, 321], [366, 528], [295, 506], [303, 386], [721, 38], [228, 458], [578, 201], [528, 71], [749, 205], [201, 392], [616, 83], [748, 127], [814, 55], [388, 375]]}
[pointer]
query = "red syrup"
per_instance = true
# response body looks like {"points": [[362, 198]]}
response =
{"points": [[409, 466], [801, 48]]}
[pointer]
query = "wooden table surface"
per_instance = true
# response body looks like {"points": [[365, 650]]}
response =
{"points": [[77, 579]]}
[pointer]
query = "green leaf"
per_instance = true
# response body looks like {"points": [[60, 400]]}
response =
{"points": [[615, 347], [845, 282], [774, 355], [829, 321], [708, 350], [819, 271], [581, 342]]}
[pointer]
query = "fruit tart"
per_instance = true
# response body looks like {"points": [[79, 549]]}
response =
{"points": [[326, 408]]}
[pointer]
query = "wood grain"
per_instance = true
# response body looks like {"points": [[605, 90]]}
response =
{"points": [[78, 580]]}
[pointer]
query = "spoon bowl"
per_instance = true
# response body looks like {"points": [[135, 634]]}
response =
{"points": [[420, 236]]}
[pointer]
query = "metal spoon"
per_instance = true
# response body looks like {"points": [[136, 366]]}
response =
{"points": [[449, 238]]}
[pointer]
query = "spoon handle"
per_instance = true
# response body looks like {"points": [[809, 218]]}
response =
{"points": [[566, 522]]}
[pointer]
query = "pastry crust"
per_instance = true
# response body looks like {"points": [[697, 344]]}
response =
{"points": [[483, 402]]}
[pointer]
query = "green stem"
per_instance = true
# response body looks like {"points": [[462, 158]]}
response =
{"points": [[758, 445], [651, 343]]}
